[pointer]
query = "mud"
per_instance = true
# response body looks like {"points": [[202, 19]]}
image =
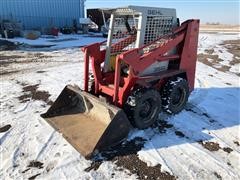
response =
{"points": [[227, 149], [211, 146], [209, 51], [215, 63], [94, 166], [162, 125], [125, 157], [237, 143], [32, 92], [217, 175], [5, 128], [33, 177], [40, 71], [25, 170], [232, 46], [140, 168], [125, 149], [4, 57], [8, 72], [6, 60], [179, 133], [36, 164]]}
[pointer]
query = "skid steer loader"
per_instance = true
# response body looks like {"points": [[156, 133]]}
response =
{"points": [[146, 65]]}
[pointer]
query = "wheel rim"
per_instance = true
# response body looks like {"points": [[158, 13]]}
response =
{"points": [[178, 97], [147, 111]]}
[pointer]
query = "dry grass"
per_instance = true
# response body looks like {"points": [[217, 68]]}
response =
{"points": [[219, 28]]}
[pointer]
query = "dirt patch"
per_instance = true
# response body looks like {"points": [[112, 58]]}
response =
{"points": [[32, 92], [140, 168], [126, 148], [227, 149], [237, 143], [4, 57], [213, 61], [209, 51], [41, 55], [8, 72], [41, 95], [6, 60], [217, 175], [125, 156], [33, 177], [211, 146], [179, 133], [233, 46], [25, 170], [162, 125], [5, 128], [41, 71], [94, 166], [35, 164]]}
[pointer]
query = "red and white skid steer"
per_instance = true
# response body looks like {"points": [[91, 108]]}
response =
{"points": [[147, 65]]}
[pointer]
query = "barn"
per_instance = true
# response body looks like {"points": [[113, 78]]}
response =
{"points": [[35, 14]]}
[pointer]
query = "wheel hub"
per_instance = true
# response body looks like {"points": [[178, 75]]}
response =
{"points": [[145, 109], [178, 96]]}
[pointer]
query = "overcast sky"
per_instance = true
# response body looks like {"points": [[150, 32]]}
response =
{"points": [[223, 11]]}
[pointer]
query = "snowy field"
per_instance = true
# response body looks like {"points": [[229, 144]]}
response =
{"points": [[201, 142]]}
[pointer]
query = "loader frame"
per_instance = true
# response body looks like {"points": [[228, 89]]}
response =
{"points": [[117, 87]]}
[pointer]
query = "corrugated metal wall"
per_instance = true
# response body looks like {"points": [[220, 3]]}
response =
{"points": [[42, 13]]}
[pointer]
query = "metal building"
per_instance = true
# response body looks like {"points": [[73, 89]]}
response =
{"points": [[34, 14]]}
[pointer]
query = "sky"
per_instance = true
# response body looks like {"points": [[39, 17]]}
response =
{"points": [[212, 11]]}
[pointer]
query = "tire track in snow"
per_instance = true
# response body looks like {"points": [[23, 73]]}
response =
{"points": [[211, 122], [45, 145], [172, 160], [190, 158], [218, 161], [4, 137], [210, 156]]}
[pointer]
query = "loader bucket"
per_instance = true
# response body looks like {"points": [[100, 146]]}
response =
{"points": [[87, 123]]}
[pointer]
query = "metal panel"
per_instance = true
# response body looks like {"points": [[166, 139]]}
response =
{"points": [[42, 13]]}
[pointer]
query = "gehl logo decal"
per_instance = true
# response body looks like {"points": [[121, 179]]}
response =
{"points": [[154, 12]]}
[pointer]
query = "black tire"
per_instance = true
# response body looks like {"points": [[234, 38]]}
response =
{"points": [[143, 107], [175, 95]]}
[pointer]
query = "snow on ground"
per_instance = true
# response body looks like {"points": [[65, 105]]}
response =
{"points": [[201, 142], [212, 42], [59, 42]]}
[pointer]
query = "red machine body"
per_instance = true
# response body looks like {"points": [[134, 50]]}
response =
{"points": [[116, 86]]}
